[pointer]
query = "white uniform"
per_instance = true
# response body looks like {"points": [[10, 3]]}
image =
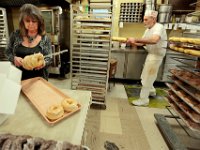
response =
{"points": [[156, 52]]}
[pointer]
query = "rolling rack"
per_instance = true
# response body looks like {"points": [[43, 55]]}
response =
{"points": [[90, 49], [3, 33], [184, 99]]}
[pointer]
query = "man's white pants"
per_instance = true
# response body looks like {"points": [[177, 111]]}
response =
{"points": [[149, 75]]}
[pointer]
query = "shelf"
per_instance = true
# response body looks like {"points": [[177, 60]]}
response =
{"points": [[195, 117], [188, 90], [192, 125], [188, 100], [186, 81], [186, 61], [192, 70], [90, 50]]}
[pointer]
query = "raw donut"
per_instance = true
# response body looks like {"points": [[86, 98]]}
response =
{"points": [[184, 40], [69, 105], [54, 112], [174, 39], [32, 61]]}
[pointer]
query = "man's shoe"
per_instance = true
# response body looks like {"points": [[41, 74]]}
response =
{"points": [[141, 102], [152, 94]]}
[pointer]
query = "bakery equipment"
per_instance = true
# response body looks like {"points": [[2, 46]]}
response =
{"points": [[90, 50], [3, 33], [57, 28], [165, 11], [131, 12], [184, 99]]}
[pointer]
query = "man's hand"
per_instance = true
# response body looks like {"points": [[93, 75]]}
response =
{"points": [[18, 61], [131, 41]]}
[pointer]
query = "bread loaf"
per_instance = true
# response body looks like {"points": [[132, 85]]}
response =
{"points": [[120, 39]]}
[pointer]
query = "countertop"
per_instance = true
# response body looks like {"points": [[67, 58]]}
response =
{"points": [[129, 49], [139, 49], [28, 121]]}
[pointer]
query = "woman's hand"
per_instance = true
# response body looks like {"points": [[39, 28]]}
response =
{"points": [[18, 61], [40, 67]]}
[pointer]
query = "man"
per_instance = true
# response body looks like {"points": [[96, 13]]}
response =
{"points": [[155, 42]]}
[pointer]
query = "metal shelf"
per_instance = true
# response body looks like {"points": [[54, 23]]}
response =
{"points": [[189, 91], [187, 82], [4, 36], [187, 120], [90, 51], [192, 104]]}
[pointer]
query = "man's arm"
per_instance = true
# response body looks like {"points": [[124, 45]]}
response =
{"points": [[143, 41], [152, 40]]}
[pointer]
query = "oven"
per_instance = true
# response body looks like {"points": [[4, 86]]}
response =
{"points": [[57, 27]]}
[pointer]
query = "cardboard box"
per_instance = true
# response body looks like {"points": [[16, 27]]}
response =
{"points": [[10, 87]]}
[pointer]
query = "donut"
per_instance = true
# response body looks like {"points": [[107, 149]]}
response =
{"points": [[54, 112], [32, 61], [69, 105]]}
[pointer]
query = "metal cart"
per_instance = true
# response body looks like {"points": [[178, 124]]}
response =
{"points": [[90, 49]]}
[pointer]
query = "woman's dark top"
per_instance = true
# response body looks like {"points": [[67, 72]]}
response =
{"points": [[23, 51], [44, 47]]}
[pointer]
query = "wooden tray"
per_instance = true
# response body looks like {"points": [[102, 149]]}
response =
{"points": [[42, 94]]}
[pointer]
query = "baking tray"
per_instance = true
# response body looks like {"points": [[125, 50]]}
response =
{"points": [[188, 90], [191, 125], [184, 80], [185, 61], [186, 45], [193, 105], [193, 70], [195, 117], [42, 95]]}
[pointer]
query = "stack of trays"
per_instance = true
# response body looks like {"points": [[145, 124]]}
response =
{"points": [[184, 97]]}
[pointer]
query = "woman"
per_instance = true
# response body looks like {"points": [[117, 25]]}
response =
{"points": [[29, 39]]}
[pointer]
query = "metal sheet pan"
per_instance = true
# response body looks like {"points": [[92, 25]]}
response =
{"points": [[190, 124], [42, 95]]}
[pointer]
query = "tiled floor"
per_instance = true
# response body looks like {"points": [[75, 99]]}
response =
{"points": [[145, 114]]}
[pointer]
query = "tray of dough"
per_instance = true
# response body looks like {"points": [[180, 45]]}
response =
{"points": [[193, 115], [194, 93], [187, 77], [191, 124], [195, 105], [51, 103]]}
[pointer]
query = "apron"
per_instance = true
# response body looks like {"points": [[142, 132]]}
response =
{"points": [[150, 70]]}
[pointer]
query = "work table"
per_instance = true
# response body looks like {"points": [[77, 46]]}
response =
{"points": [[28, 121], [131, 60], [130, 50]]}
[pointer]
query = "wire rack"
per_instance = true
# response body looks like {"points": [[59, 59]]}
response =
{"points": [[3, 33]]}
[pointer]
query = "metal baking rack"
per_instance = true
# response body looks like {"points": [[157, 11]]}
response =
{"points": [[192, 104], [192, 65], [191, 69], [186, 61], [3, 32], [90, 50], [186, 45], [188, 90], [180, 78], [183, 106]]}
